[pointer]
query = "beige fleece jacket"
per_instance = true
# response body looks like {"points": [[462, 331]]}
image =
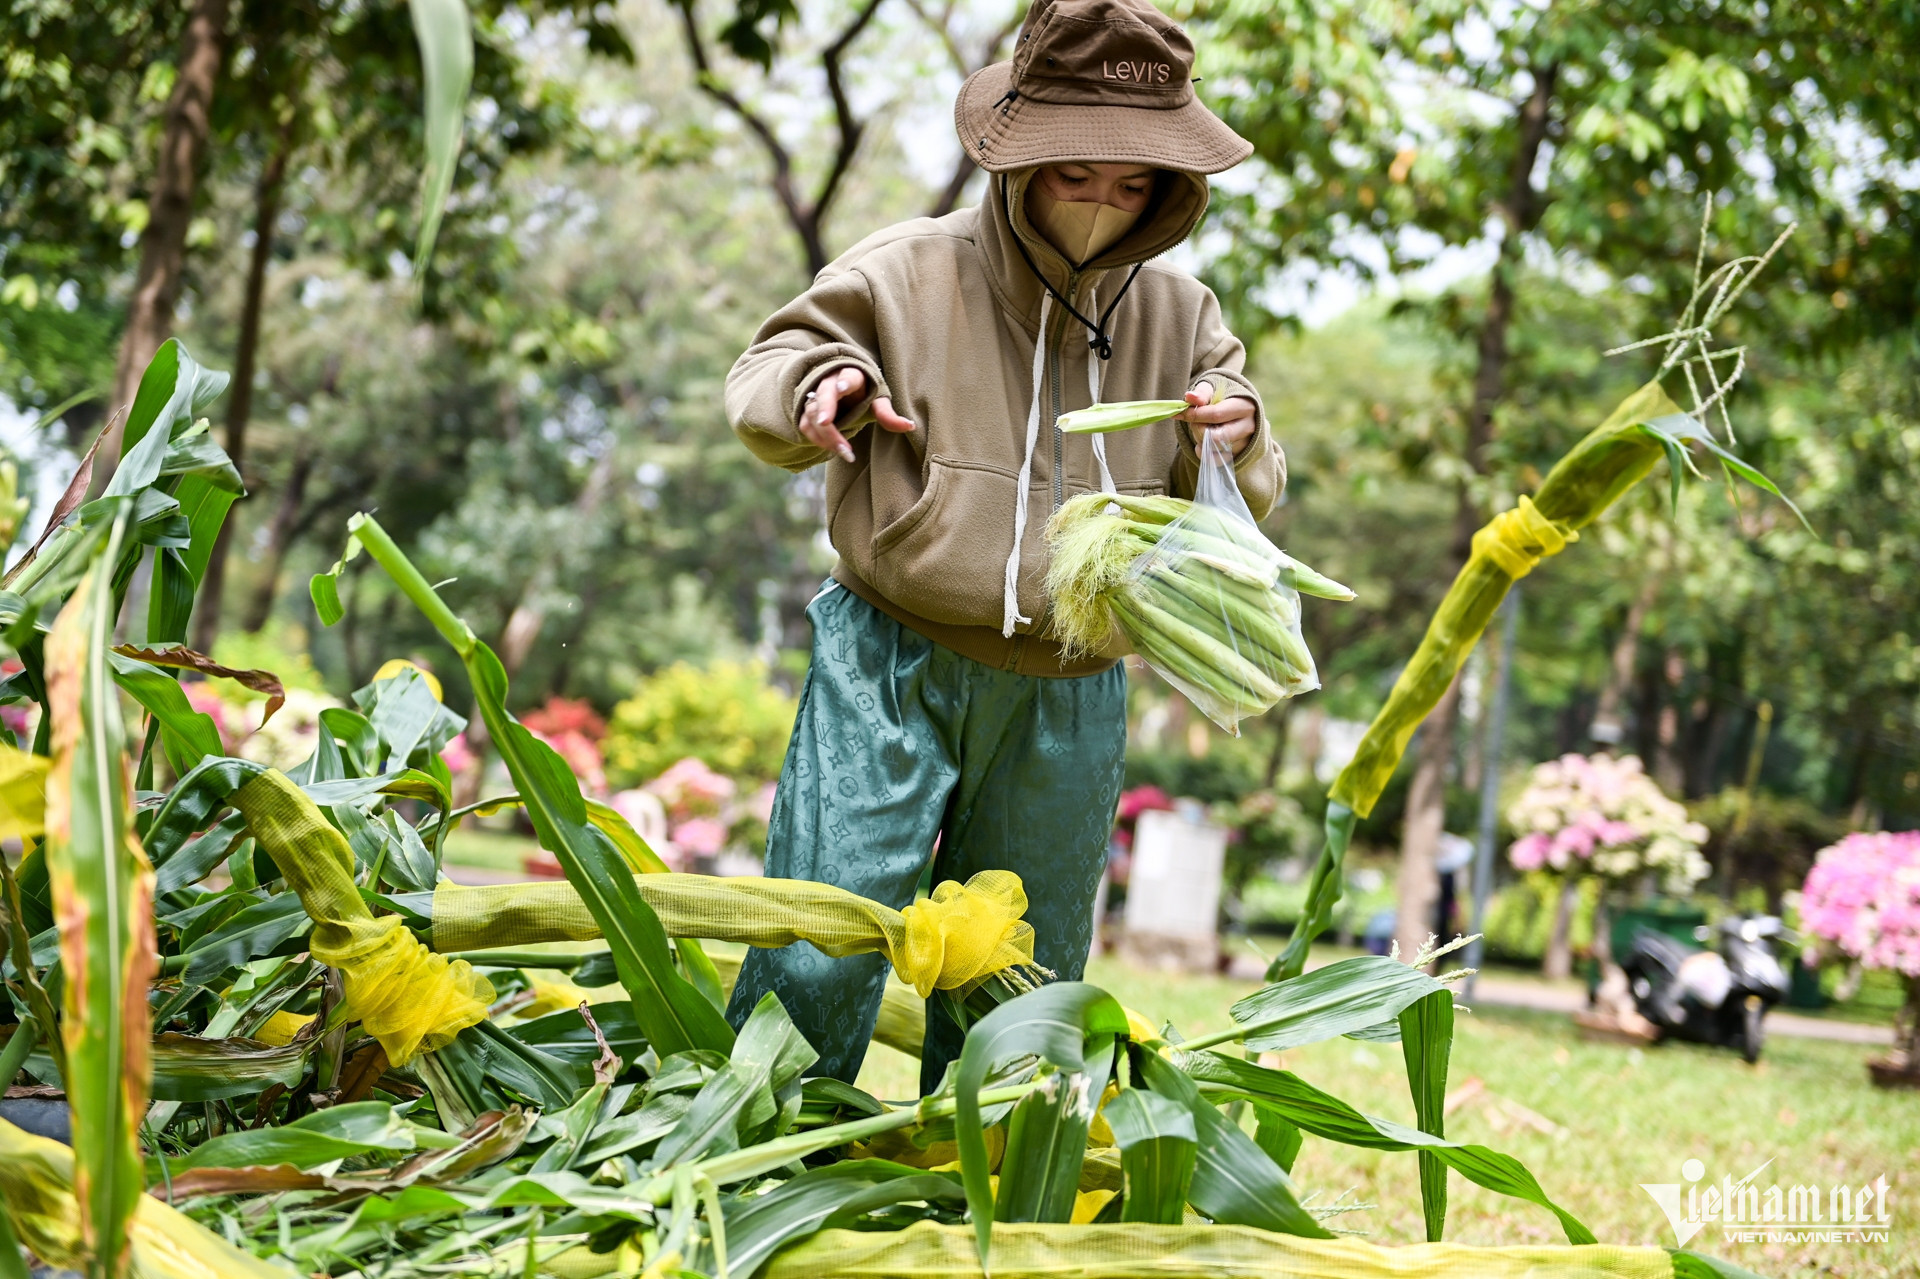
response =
{"points": [[943, 316]]}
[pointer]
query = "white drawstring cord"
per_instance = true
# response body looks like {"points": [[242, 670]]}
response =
{"points": [[1010, 602]]}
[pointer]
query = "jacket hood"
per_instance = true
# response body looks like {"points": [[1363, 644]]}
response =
{"points": [[1179, 200]]}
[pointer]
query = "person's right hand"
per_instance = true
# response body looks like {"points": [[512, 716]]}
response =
{"points": [[817, 419]]}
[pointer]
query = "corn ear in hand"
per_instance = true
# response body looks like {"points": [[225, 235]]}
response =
{"points": [[1124, 416]]}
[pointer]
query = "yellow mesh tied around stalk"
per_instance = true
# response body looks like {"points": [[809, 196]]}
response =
{"points": [[1519, 539], [36, 1194], [407, 997], [963, 933], [1612, 458], [23, 793]]}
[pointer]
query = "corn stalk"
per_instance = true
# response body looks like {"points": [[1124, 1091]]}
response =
{"points": [[103, 899]]}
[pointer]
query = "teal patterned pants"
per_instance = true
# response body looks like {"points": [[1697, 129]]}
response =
{"points": [[900, 740]]}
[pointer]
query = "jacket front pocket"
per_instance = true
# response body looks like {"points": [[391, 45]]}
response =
{"points": [[945, 558]]}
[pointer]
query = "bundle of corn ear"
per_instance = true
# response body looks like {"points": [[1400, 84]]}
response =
{"points": [[1199, 593]]}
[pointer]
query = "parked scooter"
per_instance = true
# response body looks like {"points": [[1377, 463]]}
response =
{"points": [[1719, 996]]}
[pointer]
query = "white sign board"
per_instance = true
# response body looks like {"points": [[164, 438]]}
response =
{"points": [[1174, 887]]}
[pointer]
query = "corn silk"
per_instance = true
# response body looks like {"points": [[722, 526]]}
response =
{"points": [[1193, 587]]}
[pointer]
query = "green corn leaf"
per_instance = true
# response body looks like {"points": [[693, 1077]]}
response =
{"points": [[631, 1133], [1684, 427], [197, 858], [1158, 1142], [1123, 416], [265, 928], [1277, 1135], [187, 1068], [834, 1197], [339, 1132], [169, 597], [1062, 1024], [103, 898], [1324, 886], [13, 1262], [1323, 1115], [1046, 1144], [761, 1083], [189, 736], [194, 800], [1426, 1041], [173, 388], [445, 33], [671, 1011], [566, 1035], [1351, 995], [1234, 1181], [553, 1082]]}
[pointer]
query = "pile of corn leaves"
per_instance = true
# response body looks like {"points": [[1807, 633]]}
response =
{"points": [[636, 1134]]}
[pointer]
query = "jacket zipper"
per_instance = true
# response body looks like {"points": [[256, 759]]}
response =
{"points": [[1059, 439]]}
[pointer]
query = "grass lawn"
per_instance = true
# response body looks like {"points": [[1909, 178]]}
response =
{"points": [[1616, 1116], [471, 845]]}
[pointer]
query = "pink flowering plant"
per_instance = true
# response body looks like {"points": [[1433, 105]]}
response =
{"points": [[1597, 815], [1863, 895], [706, 812]]}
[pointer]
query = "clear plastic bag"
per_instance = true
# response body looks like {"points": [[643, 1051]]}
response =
{"points": [[1213, 607]]}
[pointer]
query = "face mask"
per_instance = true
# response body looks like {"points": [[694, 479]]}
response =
{"points": [[1080, 229]]}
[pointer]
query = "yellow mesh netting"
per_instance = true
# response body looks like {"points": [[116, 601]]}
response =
{"points": [[36, 1193], [23, 793], [405, 996], [961, 934], [927, 1250], [278, 1030], [1517, 540]]}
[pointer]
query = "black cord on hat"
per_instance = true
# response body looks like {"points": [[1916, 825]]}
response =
{"points": [[1100, 343]]}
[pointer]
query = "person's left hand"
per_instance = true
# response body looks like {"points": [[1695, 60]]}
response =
{"points": [[1233, 420]]}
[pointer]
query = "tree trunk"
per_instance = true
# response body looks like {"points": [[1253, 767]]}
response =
{"points": [[524, 625], [1419, 884], [1608, 729], [1559, 958], [1426, 802], [266, 212], [1282, 717], [1666, 750], [280, 535], [176, 181]]}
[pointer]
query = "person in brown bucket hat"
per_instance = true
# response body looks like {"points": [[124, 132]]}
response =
{"points": [[926, 367]]}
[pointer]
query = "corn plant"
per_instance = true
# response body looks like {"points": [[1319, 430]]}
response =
{"points": [[287, 1043]]}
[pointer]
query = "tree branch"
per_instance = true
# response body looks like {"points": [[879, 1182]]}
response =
{"points": [[803, 220], [991, 52], [850, 128]]}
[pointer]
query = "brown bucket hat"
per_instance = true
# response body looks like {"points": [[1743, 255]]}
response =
{"points": [[1107, 81]]}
